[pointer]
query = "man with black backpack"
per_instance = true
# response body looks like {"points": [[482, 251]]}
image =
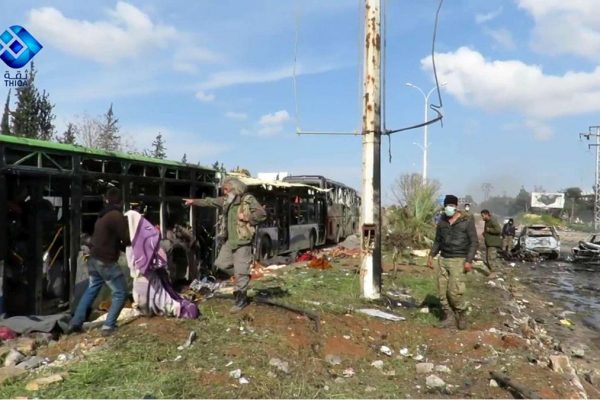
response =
{"points": [[241, 212]]}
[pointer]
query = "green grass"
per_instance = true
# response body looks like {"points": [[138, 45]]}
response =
{"points": [[140, 362]]}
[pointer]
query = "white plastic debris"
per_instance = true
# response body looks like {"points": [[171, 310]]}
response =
{"points": [[236, 373], [244, 381], [377, 364], [373, 312], [348, 373], [404, 352], [386, 350]]}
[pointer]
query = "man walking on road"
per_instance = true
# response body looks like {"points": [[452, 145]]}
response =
{"points": [[241, 212], [111, 235], [456, 240], [508, 235], [493, 241]]}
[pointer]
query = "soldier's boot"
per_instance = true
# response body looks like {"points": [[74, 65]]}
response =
{"points": [[461, 320], [446, 320], [241, 301]]}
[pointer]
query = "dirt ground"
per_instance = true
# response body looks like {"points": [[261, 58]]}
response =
{"points": [[342, 358]]}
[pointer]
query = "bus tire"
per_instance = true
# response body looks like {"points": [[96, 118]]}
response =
{"points": [[312, 240], [264, 248]]}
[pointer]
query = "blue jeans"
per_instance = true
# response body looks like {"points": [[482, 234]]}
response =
{"points": [[101, 273]]}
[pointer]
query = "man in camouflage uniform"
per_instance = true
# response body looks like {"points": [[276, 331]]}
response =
{"points": [[492, 233], [240, 213], [456, 240]]}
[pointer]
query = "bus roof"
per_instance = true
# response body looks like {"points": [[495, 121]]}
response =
{"points": [[313, 178], [75, 148], [280, 184]]}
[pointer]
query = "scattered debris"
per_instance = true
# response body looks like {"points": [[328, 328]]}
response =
{"points": [[442, 369], [424, 310], [348, 373], [32, 363], [424, 368], [13, 358], [236, 373], [386, 350], [377, 364], [41, 383], [373, 312], [404, 352], [319, 263], [313, 316], [506, 381], [493, 383], [333, 359], [283, 366], [434, 382], [243, 381], [191, 338]]}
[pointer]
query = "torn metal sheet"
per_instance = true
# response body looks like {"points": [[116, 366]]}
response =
{"points": [[373, 312]]}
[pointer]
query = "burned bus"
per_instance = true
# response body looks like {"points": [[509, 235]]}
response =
{"points": [[50, 195], [343, 205], [296, 217]]}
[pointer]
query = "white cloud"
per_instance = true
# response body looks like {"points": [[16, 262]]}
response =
{"points": [[541, 131], [272, 124], [565, 27], [125, 33], [236, 115], [205, 97], [268, 125], [483, 18], [503, 37], [515, 86], [238, 77]]}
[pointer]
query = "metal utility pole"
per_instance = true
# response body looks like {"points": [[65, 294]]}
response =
{"points": [[370, 267], [594, 131]]}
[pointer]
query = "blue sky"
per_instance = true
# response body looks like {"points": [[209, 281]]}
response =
{"points": [[215, 78]]}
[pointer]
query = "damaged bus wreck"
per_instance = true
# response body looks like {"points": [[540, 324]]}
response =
{"points": [[51, 194]]}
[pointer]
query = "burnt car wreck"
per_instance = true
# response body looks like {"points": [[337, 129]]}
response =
{"points": [[587, 252], [536, 242]]}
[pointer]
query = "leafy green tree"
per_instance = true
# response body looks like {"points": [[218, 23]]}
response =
{"points": [[5, 123], [25, 120], [158, 148], [108, 135], [410, 222], [522, 201], [69, 136], [45, 117]]}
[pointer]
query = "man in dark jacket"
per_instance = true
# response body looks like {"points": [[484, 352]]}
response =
{"points": [[456, 240], [492, 234], [508, 235], [111, 235], [241, 212]]}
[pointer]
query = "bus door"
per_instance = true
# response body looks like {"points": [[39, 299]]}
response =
{"points": [[283, 225]]}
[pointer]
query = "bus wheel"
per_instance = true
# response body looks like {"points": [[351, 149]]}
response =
{"points": [[312, 240], [264, 248]]}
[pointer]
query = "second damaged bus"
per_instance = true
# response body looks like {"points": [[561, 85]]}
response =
{"points": [[296, 216], [343, 205]]}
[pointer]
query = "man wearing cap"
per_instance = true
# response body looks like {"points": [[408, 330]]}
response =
{"points": [[456, 240]]}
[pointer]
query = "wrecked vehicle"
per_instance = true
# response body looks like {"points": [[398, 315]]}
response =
{"points": [[587, 251], [538, 241]]}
